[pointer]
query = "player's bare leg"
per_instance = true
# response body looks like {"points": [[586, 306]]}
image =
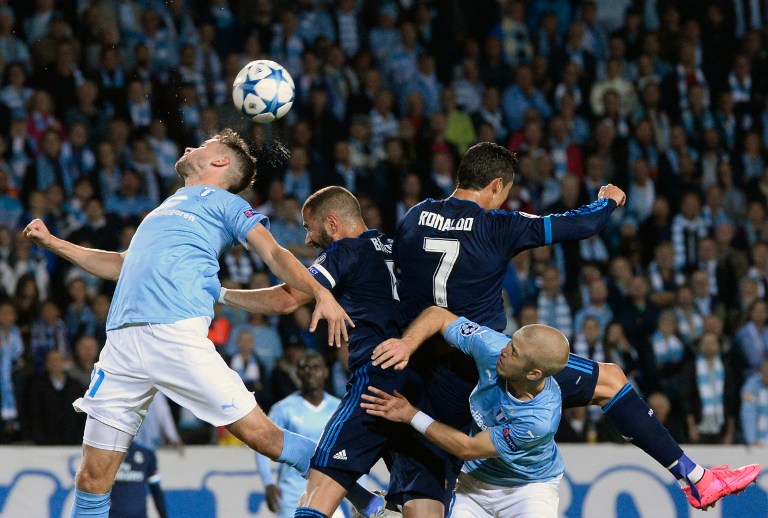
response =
{"points": [[322, 494], [423, 508], [635, 421], [93, 482], [258, 432]]}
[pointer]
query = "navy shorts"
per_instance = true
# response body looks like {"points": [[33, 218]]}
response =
{"points": [[578, 381], [353, 441], [447, 378]]}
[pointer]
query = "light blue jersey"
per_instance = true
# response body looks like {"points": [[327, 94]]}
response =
{"points": [[522, 431], [297, 415], [170, 271]]}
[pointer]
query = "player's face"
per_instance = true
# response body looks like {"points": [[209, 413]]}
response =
{"points": [[317, 235], [312, 374], [195, 158], [511, 364]]}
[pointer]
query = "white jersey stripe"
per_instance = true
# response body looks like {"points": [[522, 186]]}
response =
{"points": [[325, 273]]}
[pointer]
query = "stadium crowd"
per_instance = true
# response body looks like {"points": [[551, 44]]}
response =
{"points": [[665, 99]]}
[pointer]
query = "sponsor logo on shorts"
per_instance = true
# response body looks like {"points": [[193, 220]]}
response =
{"points": [[467, 328], [509, 440], [342, 455]]}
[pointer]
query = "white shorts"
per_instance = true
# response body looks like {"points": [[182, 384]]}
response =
{"points": [[176, 359], [474, 499]]}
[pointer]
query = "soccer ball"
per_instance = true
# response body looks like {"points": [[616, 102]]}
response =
{"points": [[263, 91]]}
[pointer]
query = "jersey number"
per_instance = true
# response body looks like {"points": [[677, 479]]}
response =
{"points": [[449, 250], [391, 268]]}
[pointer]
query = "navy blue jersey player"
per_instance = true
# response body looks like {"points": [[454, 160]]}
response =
{"points": [[453, 253], [137, 472], [357, 266]]}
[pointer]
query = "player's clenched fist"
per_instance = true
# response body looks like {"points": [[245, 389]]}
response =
{"points": [[38, 233], [614, 193]]}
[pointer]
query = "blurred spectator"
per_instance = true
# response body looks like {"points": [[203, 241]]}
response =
{"points": [[711, 409], [754, 407], [11, 361], [554, 309], [86, 354], [52, 418], [753, 336], [49, 333], [78, 316], [597, 307], [285, 378], [288, 231], [249, 367]]}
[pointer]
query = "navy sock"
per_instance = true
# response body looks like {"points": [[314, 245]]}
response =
{"points": [[297, 452], [308, 512], [88, 504], [634, 419]]}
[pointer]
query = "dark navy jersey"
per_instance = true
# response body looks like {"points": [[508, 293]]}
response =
{"points": [[453, 253], [129, 494], [360, 273]]}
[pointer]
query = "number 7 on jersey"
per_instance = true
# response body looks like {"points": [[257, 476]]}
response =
{"points": [[449, 250]]}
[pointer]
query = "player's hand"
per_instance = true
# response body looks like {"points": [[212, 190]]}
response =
{"points": [[337, 318], [38, 233], [273, 497], [614, 193], [393, 352], [392, 407]]}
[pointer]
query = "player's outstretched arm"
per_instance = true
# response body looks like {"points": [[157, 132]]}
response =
{"points": [[285, 265], [102, 264], [396, 408], [277, 300], [396, 351]]}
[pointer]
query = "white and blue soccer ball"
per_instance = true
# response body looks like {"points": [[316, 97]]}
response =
{"points": [[263, 91]]}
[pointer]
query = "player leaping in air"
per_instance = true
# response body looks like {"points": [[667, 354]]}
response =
{"points": [[453, 253], [158, 322]]}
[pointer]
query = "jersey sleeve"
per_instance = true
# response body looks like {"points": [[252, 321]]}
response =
{"points": [[332, 266], [520, 231], [481, 343], [240, 219]]}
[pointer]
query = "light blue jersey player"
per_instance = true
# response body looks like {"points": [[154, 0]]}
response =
{"points": [[305, 412], [158, 323], [512, 466]]}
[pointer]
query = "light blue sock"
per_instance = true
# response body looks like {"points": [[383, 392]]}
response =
{"points": [[88, 504], [297, 452]]}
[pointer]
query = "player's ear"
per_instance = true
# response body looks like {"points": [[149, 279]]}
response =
{"points": [[497, 185], [534, 375], [220, 161]]}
